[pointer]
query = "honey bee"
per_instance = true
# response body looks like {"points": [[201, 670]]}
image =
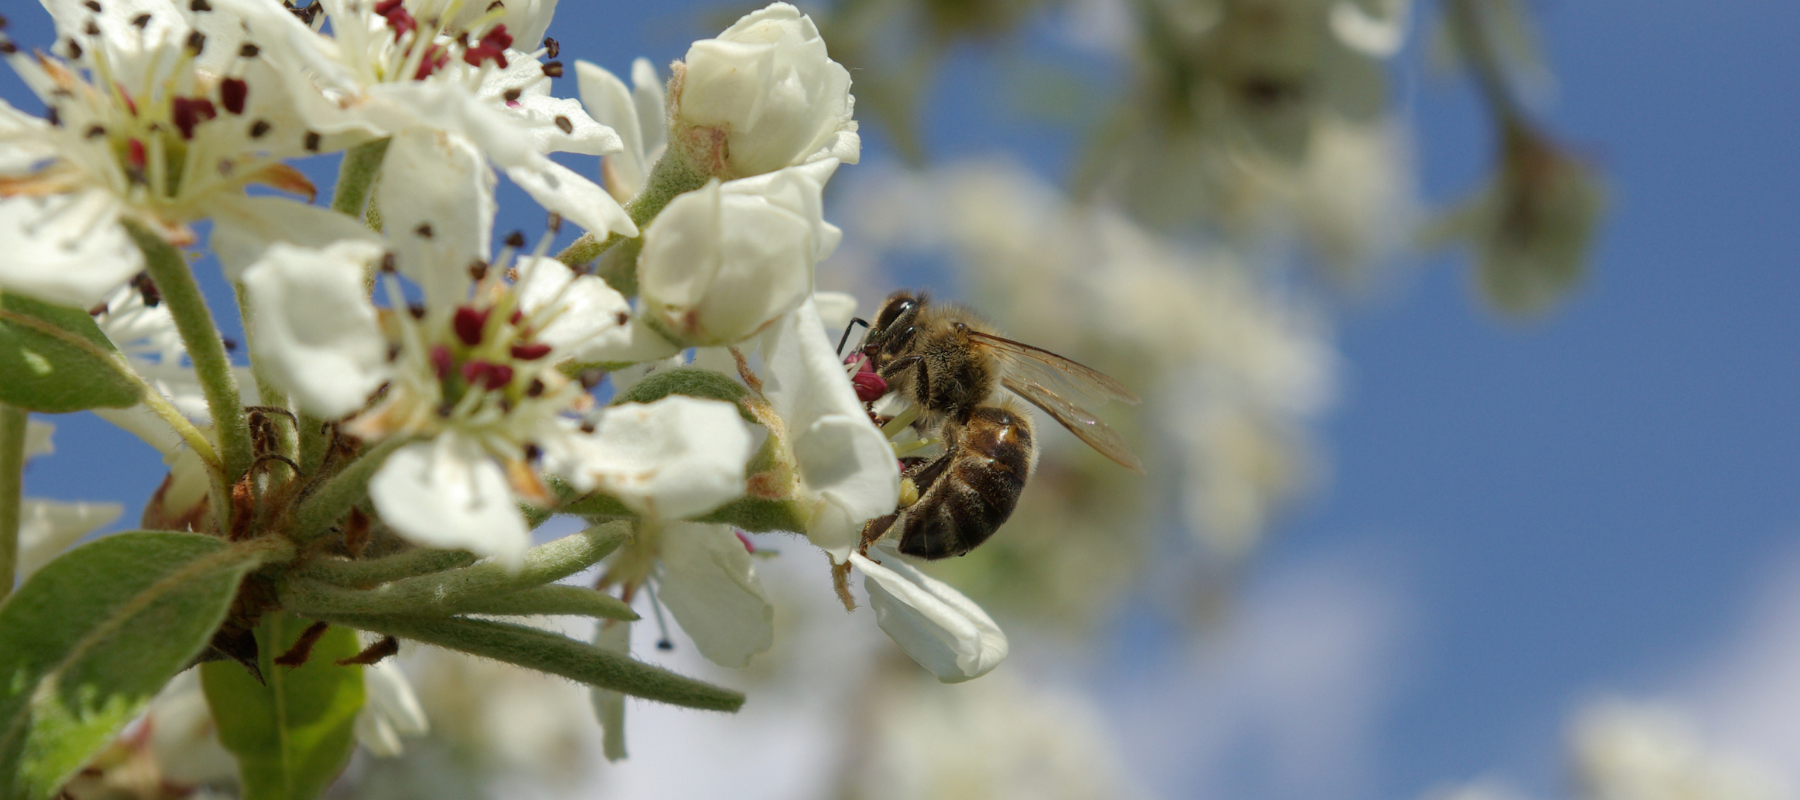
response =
{"points": [[960, 373]]}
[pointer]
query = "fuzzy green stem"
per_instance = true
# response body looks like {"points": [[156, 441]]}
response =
{"points": [[551, 599], [212, 367], [356, 176], [315, 441], [12, 484], [552, 653], [331, 501], [377, 571], [1465, 22], [671, 177], [442, 593]]}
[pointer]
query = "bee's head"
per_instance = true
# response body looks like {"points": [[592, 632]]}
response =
{"points": [[896, 315]]}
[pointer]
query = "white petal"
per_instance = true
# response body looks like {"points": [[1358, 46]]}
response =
{"points": [[647, 93], [374, 732], [579, 200], [316, 331], [437, 206], [940, 628], [66, 249], [845, 461], [709, 584], [609, 706], [47, 527], [244, 227], [610, 103], [677, 457], [391, 696], [540, 114], [449, 494], [453, 109], [1371, 35]]}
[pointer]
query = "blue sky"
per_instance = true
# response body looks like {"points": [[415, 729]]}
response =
{"points": [[1520, 516]]}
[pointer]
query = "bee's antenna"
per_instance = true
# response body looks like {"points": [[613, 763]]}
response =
{"points": [[854, 321]]}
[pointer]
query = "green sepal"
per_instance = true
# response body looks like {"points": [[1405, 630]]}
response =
{"points": [[690, 381], [51, 375], [757, 515], [293, 731], [92, 636]]}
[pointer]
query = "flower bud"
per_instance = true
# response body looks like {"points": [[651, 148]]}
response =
{"points": [[762, 96], [722, 262]]}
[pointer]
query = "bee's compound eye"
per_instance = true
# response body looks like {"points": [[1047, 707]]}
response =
{"points": [[895, 308]]}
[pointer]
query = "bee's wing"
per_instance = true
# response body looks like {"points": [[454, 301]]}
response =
{"points": [[1055, 373], [1078, 420]]}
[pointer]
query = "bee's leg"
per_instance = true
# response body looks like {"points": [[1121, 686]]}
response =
{"points": [[922, 391], [875, 529], [854, 321]]}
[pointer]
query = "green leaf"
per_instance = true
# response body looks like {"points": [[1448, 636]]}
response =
{"points": [[92, 636], [51, 374], [292, 735], [556, 654]]}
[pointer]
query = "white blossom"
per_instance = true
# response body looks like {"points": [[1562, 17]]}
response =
{"points": [[158, 117], [721, 262], [762, 96], [454, 95], [449, 493], [936, 625]]}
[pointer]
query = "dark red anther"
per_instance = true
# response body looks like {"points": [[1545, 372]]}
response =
{"points": [[398, 18], [441, 361], [515, 316], [487, 375], [468, 324], [497, 38], [869, 386], [530, 351], [749, 547], [130, 105], [435, 58], [134, 154], [493, 45], [191, 111], [233, 92]]}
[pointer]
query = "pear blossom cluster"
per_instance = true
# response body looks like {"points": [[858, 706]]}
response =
{"points": [[671, 368]]}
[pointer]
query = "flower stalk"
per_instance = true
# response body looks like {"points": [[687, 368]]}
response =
{"points": [[212, 367], [12, 481], [670, 178], [356, 177], [320, 511]]}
